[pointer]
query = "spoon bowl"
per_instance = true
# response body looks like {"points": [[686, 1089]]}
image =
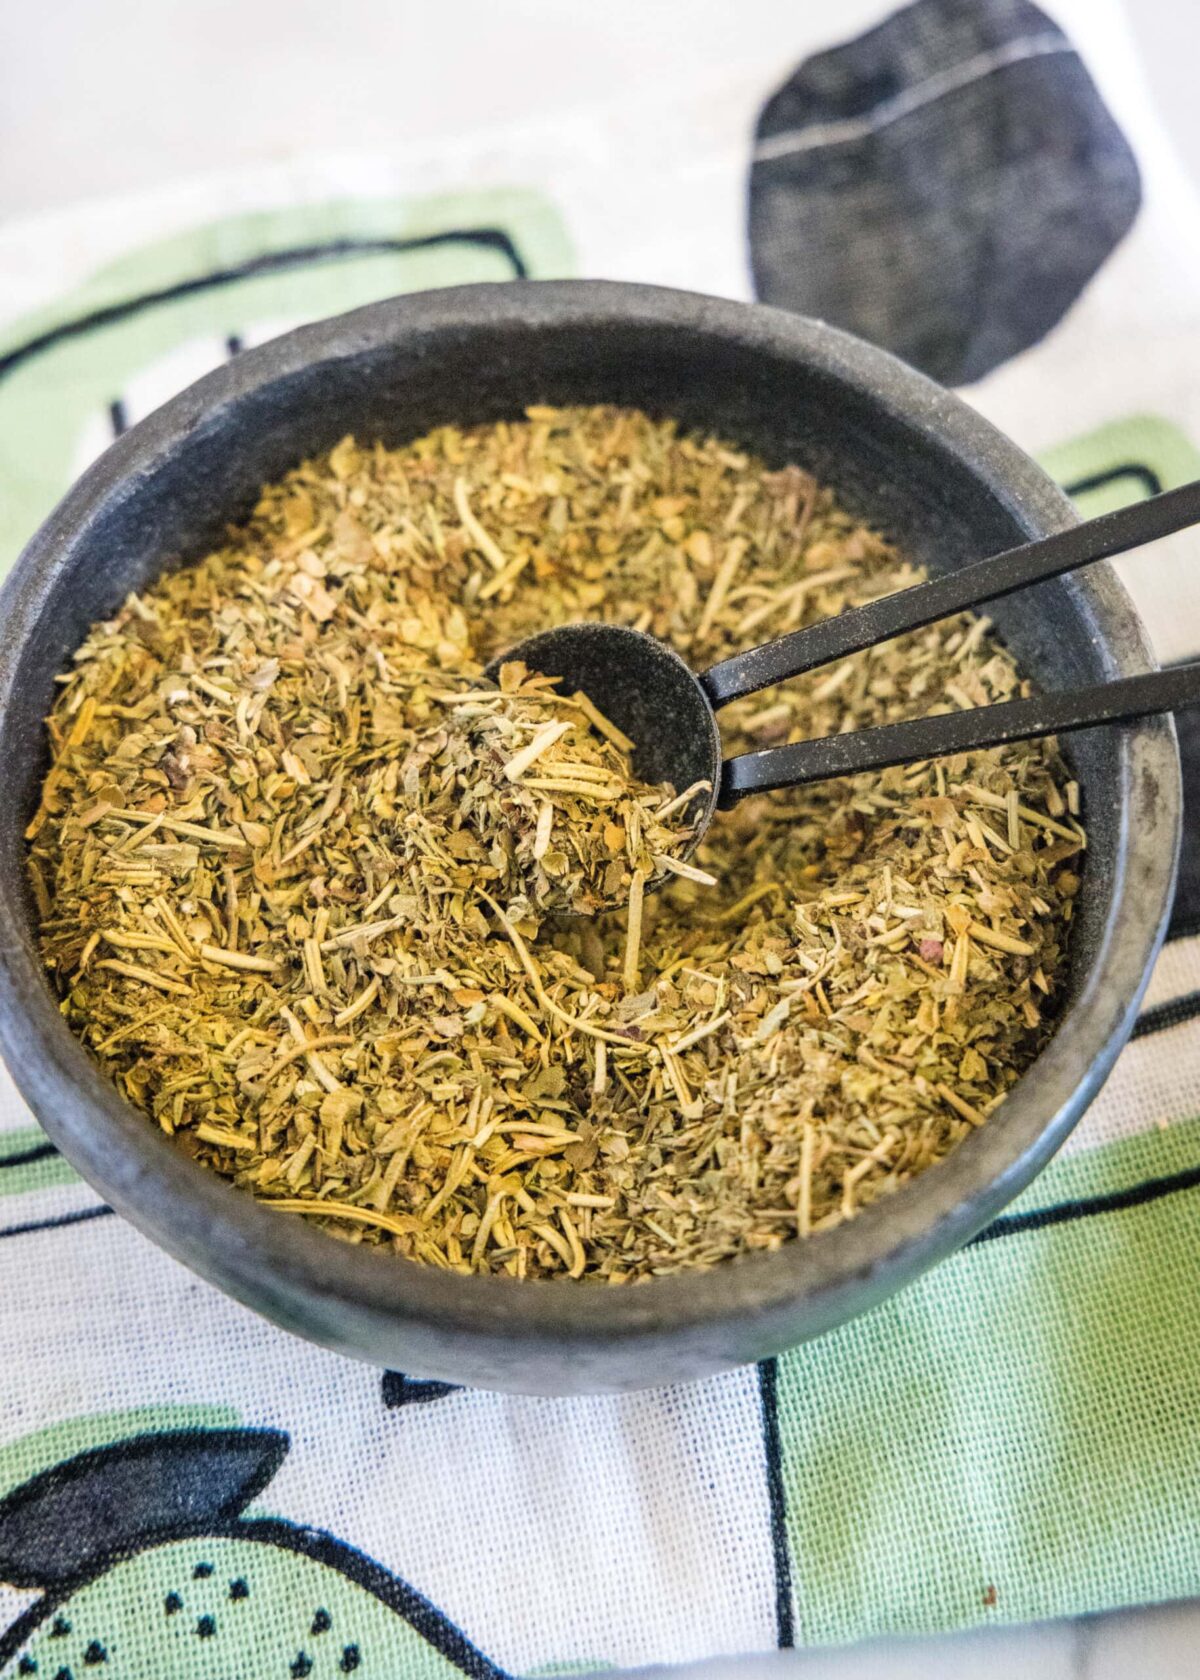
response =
{"points": [[651, 695]]}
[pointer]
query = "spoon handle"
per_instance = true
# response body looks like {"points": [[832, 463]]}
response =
{"points": [[986, 580], [954, 732]]}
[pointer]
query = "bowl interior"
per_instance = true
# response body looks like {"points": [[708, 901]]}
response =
{"points": [[899, 452]]}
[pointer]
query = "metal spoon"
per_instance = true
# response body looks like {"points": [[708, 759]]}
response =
{"points": [[670, 711]]}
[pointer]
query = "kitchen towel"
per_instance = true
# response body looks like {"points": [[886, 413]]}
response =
{"points": [[186, 1491]]}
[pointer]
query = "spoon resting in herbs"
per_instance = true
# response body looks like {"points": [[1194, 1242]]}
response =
{"points": [[669, 712]]}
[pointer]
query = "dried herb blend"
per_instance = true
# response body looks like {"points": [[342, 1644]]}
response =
{"points": [[537, 794], [303, 916]]}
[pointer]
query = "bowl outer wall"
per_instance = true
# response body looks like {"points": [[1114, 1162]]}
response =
{"points": [[559, 1337]]}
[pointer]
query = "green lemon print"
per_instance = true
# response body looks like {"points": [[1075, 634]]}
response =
{"points": [[149, 1571], [75, 374]]}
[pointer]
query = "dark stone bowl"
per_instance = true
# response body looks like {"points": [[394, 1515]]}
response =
{"points": [[902, 453]]}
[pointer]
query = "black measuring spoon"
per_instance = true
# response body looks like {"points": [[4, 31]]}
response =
{"points": [[669, 711]]}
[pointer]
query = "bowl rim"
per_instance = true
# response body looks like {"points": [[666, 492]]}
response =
{"points": [[194, 1214]]}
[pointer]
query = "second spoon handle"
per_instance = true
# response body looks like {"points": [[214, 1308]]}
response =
{"points": [[954, 732], [986, 580]]}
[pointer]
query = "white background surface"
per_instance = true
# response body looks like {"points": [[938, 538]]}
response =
{"points": [[106, 97]]}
